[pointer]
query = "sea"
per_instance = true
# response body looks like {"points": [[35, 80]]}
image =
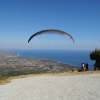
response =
{"points": [[71, 57]]}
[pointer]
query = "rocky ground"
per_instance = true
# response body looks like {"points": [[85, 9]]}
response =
{"points": [[53, 87]]}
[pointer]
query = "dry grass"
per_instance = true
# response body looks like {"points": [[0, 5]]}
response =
{"points": [[48, 74], [2, 82]]}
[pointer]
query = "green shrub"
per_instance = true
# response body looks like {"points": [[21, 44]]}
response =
{"points": [[95, 55]]}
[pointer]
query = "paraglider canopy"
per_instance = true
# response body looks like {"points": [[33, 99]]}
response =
{"points": [[51, 31]]}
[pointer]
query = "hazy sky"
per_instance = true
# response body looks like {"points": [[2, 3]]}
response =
{"points": [[19, 19]]}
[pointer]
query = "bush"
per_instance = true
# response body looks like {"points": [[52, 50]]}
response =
{"points": [[95, 55]]}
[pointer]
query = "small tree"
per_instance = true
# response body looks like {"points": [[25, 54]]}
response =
{"points": [[95, 55]]}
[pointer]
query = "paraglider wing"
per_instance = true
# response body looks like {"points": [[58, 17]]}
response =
{"points": [[51, 31]]}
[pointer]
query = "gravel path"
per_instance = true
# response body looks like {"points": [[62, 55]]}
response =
{"points": [[75, 87]]}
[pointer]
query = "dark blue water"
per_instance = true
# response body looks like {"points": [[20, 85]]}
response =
{"points": [[72, 57]]}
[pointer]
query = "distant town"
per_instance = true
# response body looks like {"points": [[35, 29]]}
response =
{"points": [[13, 65]]}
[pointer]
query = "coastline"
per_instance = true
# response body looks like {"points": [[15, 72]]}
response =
{"points": [[18, 55], [70, 57], [13, 64]]}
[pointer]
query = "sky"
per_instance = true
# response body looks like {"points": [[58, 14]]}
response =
{"points": [[19, 19]]}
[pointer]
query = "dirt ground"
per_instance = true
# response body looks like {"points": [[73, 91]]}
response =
{"points": [[49, 74]]}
